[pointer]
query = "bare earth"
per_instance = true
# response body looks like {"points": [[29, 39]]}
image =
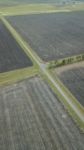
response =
{"points": [[12, 56], [71, 66], [32, 118], [73, 78], [52, 36]]}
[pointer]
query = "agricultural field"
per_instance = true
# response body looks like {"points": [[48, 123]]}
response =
{"points": [[12, 57], [32, 117], [6, 3], [52, 36], [19, 2], [73, 78]]}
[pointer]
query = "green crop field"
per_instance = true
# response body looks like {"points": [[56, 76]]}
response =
{"points": [[19, 2]]}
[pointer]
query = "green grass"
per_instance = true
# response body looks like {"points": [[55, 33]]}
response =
{"points": [[17, 75], [39, 8], [25, 9]]}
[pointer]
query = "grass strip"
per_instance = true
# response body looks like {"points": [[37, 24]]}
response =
{"points": [[17, 75]]}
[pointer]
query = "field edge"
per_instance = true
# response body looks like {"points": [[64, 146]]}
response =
{"points": [[69, 109], [17, 75]]}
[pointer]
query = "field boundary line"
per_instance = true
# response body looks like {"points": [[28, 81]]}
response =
{"points": [[35, 12], [17, 75]]}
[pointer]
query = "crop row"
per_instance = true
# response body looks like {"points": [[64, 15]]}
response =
{"points": [[31, 117]]}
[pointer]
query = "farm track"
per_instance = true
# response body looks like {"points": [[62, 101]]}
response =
{"points": [[31, 117], [12, 57], [52, 36]]}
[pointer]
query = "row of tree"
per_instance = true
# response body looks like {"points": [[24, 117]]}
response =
{"points": [[69, 60]]}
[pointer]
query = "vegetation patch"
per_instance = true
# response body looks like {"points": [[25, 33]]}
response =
{"points": [[17, 75], [66, 61]]}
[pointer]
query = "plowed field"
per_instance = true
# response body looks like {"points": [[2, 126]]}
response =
{"points": [[11, 55], [32, 118], [52, 36]]}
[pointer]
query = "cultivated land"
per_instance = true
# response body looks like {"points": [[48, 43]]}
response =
{"points": [[18, 2], [52, 36], [73, 78], [12, 57], [31, 117], [73, 107]]}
